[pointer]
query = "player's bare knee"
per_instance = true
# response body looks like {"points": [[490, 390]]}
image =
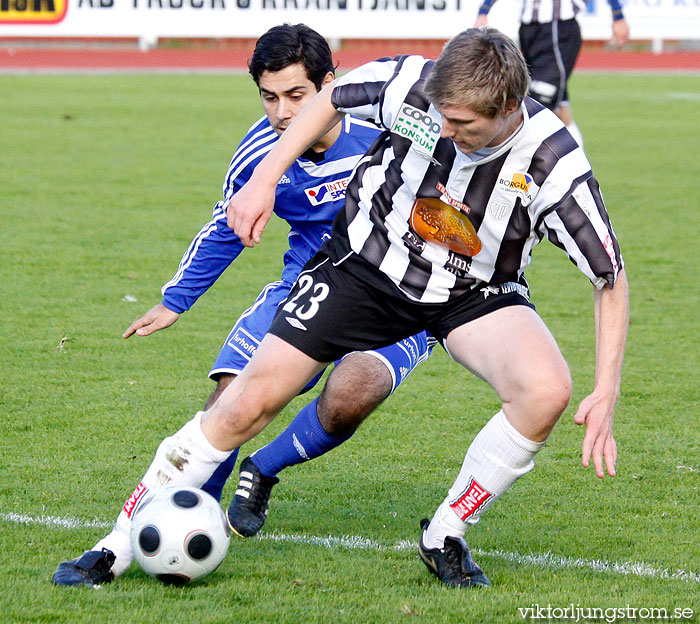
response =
{"points": [[354, 390], [550, 396]]}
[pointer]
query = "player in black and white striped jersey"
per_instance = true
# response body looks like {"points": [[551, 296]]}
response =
{"points": [[505, 190], [440, 221], [550, 39], [441, 216]]}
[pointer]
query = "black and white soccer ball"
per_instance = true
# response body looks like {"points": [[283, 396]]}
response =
{"points": [[179, 535]]}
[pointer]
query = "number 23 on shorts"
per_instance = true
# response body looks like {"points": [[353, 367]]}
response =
{"points": [[309, 293]]}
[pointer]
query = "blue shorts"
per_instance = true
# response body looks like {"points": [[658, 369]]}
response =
{"points": [[399, 358]]}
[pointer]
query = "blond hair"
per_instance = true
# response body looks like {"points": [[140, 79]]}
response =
{"points": [[480, 68]]}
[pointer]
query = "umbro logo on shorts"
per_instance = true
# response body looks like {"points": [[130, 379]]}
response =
{"points": [[295, 323]]}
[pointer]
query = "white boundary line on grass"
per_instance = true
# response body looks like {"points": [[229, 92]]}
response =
{"points": [[356, 542]]}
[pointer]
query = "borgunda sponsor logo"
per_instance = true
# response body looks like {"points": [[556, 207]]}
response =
{"points": [[519, 183]]}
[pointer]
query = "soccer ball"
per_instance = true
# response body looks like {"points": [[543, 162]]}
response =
{"points": [[179, 535]]}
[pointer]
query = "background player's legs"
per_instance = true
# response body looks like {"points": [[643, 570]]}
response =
{"points": [[550, 51], [515, 353]]}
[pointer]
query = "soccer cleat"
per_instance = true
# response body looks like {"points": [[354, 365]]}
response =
{"points": [[453, 563], [248, 509], [92, 568]]}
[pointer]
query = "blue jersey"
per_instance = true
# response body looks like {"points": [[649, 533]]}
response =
{"points": [[309, 195]]}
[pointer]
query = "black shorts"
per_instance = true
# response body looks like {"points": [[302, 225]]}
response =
{"points": [[330, 312], [550, 51]]}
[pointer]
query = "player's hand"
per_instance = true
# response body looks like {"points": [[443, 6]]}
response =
{"points": [[596, 412], [481, 21], [248, 212], [158, 317], [621, 33]]}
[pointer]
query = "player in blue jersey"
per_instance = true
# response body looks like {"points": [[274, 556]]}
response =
{"points": [[290, 65]]}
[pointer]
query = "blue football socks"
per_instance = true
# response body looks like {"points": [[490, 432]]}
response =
{"points": [[215, 485], [304, 439]]}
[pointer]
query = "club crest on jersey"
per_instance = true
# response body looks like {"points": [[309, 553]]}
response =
{"points": [[419, 127], [327, 192], [472, 499], [519, 183], [498, 209]]}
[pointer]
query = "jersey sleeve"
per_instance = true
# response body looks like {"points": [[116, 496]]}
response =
{"points": [[485, 6], [376, 90], [216, 246], [616, 8], [210, 253], [580, 225]]}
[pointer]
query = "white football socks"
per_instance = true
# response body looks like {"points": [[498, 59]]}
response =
{"points": [[186, 458], [497, 457]]}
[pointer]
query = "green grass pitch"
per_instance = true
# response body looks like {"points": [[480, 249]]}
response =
{"points": [[103, 182]]}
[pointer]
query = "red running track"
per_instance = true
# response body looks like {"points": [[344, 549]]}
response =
{"points": [[95, 59]]}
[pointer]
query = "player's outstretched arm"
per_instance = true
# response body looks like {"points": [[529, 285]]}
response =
{"points": [[596, 411], [250, 208], [158, 317]]}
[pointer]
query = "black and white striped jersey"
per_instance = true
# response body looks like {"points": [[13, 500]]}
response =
{"points": [[545, 11], [538, 183]]}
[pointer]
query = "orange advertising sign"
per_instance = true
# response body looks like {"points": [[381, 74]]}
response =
{"points": [[32, 11]]}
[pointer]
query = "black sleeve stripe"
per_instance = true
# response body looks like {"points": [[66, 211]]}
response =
{"points": [[354, 95], [548, 154], [551, 209], [586, 238]]}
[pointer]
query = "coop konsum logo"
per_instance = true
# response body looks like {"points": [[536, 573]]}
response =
{"points": [[32, 11]]}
